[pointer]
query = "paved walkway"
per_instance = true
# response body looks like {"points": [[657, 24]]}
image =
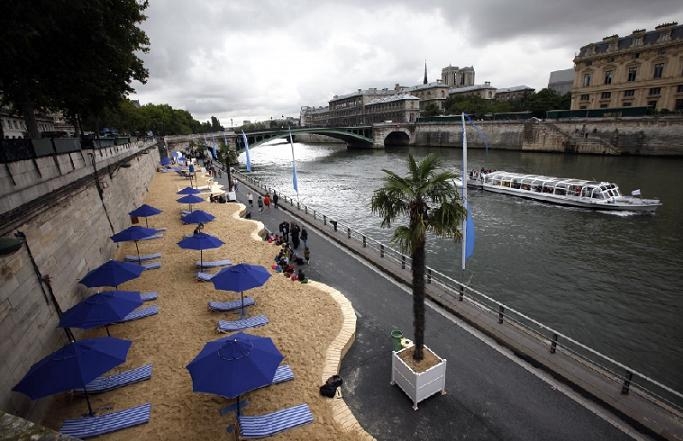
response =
{"points": [[491, 395]]}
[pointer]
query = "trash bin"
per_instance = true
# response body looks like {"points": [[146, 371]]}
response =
{"points": [[396, 336]]}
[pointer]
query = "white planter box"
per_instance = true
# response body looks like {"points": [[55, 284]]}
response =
{"points": [[418, 386]]}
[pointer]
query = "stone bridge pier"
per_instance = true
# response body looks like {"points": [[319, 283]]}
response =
{"points": [[392, 134]]}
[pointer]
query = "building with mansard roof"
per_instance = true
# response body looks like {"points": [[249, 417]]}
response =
{"points": [[644, 68]]}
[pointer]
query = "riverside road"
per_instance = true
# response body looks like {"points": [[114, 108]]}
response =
{"points": [[491, 395]]}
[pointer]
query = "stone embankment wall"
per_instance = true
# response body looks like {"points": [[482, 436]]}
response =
{"points": [[67, 206], [662, 136]]}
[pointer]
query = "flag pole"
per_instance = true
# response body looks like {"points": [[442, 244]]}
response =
{"points": [[464, 190]]}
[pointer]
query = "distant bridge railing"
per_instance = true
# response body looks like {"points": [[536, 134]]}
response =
{"points": [[624, 379]]}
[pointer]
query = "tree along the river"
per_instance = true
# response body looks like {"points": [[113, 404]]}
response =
{"points": [[429, 198], [78, 56]]}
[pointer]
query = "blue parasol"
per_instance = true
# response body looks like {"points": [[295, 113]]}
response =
{"points": [[101, 309], [134, 233], [197, 217], [145, 211], [189, 190], [200, 241], [234, 365], [240, 277], [73, 366], [112, 273], [190, 199]]}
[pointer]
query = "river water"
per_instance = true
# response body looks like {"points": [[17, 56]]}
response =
{"points": [[612, 281]]}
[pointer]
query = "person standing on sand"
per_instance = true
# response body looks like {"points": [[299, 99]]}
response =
{"points": [[250, 198]]}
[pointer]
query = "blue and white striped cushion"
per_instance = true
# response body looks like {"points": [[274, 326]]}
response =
{"points": [[143, 257], [236, 325], [282, 374], [230, 306], [149, 295], [269, 424], [213, 264], [104, 384], [110, 422], [204, 277], [141, 313], [151, 266], [154, 236]]}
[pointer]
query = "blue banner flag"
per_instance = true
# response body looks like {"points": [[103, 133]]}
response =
{"points": [[469, 236], [295, 182], [246, 150]]}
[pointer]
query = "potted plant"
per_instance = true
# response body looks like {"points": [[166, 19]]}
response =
{"points": [[429, 199]]}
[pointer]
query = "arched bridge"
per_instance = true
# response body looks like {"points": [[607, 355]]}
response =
{"points": [[360, 136]]}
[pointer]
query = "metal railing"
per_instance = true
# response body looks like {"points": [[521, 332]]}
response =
{"points": [[624, 378], [25, 148]]}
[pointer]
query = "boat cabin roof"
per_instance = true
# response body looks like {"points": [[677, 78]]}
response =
{"points": [[545, 180]]}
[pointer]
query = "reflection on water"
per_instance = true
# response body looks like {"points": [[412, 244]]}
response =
{"points": [[610, 280]]}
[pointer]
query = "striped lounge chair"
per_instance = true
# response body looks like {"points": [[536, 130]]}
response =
{"points": [[204, 277], [213, 264], [142, 258], [154, 236], [97, 425], [104, 384], [141, 313], [260, 426], [149, 295], [236, 325], [282, 374], [151, 265], [231, 305]]}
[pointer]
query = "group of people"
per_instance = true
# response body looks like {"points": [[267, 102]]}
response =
{"points": [[297, 234], [264, 201], [287, 262]]}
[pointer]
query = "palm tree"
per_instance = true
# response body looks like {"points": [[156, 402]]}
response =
{"points": [[430, 200]]}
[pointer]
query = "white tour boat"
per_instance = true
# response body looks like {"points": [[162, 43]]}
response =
{"points": [[563, 191]]}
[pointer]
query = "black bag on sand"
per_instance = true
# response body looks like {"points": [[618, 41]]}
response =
{"points": [[329, 389]]}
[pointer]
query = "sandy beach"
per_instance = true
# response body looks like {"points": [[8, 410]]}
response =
{"points": [[304, 321]]}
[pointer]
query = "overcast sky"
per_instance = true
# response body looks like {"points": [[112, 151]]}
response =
{"points": [[253, 59]]}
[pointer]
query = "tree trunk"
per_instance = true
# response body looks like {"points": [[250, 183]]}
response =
{"points": [[30, 119], [418, 270]]}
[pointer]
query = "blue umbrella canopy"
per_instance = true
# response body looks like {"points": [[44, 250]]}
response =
{"points": [[189, 190], [73, 366], [200, 241], [198, 216], [190, 199], [112, 273], [240, 277], [234, 365], [134, 233], [101, 309], [165, 160], [145, 210]]}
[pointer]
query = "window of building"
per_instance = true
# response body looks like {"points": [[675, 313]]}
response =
{"points": [[606, 95], [610, 60], [659, 69], [632, 71], [626, 104], [608, 77], [655, 91], [636, 55], [587, 79], [603, 106], [679, 89], [630, 92], [582, 108], [652, 104], [585, 97], [661, 52], [678, 105]]}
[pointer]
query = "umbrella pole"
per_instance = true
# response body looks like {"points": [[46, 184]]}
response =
{"points": [[138, 250], [242, 308], [87, 400], [201, 260], [146, 224], [107, 328]]}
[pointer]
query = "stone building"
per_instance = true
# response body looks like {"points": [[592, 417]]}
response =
{"points": [[644, 68], [484, 91], [312, 116], [430, 93], [349, 110], [513, 93], [453, 76], [14, 126], [398, 108]]}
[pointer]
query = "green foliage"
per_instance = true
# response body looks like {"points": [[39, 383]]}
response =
{"points": [[537, 103], [431, 109], [78, 56]]}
